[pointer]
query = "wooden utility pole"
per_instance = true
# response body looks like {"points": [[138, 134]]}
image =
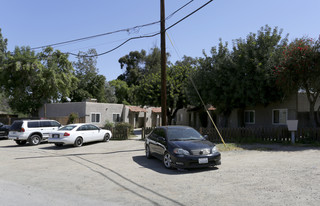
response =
{"points": [[163, 65]]}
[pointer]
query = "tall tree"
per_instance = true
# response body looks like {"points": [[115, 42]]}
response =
{"points": [[30, 80], [149, 90], [133, 63], [242, 77], [300, 70], [91, 84]]}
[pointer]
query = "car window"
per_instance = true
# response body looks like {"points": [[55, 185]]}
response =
{"points": [[68, 128], [176, 134], [55, 124], [45, 124], [83, 128], [33, 124], [158, 132], [92, 127], [16, 126]]}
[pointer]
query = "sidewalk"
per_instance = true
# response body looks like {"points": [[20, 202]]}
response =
{"points": [[137, 134]]}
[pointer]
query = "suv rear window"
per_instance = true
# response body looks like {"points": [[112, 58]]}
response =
{"points": [[16, 126], [33, 124]]}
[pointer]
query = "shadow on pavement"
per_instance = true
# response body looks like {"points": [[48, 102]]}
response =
{"points": [[157, 166]]}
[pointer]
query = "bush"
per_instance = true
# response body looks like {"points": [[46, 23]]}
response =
{"points": [[109, 125], [123, 126], [72, 118]]}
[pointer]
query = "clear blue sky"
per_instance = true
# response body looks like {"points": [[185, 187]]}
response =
{"points": [[38, 22]]}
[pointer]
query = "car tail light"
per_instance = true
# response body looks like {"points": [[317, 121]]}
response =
{"points": [[66, 134], [22, 129]]}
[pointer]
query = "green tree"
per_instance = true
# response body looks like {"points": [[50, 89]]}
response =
{"points": [[30, 80], [133, 63], [149, 90], [91, 84], [244, 76], [121, 91], [300, 70], [110, 93]]}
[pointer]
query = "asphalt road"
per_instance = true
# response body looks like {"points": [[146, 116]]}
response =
{"points": [[117, 173]]}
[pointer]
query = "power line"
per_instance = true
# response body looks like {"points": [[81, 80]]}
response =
{"points": [[145, 36], [112, 32]]}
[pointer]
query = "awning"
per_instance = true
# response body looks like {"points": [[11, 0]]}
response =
{"points": [[136, 109]]}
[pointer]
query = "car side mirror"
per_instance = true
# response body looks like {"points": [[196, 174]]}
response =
{"points": [[205, 136]]}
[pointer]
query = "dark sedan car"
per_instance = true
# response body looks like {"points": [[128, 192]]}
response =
{"points": [[4, 130], [181, 147]]}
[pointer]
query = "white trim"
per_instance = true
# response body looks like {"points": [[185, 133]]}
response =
{"points": [[95, 113], [279, 118], [254, 116]]}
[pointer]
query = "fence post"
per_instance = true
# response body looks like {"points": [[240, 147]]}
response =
{"points": [[143, 133]]}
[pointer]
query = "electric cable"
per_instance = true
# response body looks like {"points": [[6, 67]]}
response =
{"points": [[145, 36], [112, 32]]}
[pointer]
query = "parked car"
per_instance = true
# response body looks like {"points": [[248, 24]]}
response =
{"points": [[32, 131], [77, 134], [4, 130], [181, 147]]}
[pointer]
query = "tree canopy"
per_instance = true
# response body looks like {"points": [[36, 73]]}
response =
{"points": [[30, 80], [90, 84], [300, 70], [241, 77]]}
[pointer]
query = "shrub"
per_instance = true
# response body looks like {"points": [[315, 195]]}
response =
{"points": [[124, 125], [72, 118], [109, 125]]}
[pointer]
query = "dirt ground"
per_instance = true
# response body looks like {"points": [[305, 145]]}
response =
{"points": [[117, 173]]}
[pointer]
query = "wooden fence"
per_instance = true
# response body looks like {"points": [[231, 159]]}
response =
{"points": [[253, 135], [120, 134], [256, 135]]}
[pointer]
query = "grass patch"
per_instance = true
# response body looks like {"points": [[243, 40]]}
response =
{"points": [[228, 147]]}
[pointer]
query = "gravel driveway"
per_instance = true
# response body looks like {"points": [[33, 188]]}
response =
{"points": [[117, 173]]}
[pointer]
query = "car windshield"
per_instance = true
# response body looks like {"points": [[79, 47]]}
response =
{"points": [[68, 127], [183, 134]]}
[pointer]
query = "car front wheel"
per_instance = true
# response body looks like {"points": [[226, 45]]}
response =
{"points": [[148, 155], [78, 142], [167, 160], [35, 139]]}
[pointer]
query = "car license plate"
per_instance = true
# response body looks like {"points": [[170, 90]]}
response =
{"points": [[55, 136], [203, 160]]}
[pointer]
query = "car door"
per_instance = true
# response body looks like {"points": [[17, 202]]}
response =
{"points": [[95, 133], [84, 132], [158, 143]]}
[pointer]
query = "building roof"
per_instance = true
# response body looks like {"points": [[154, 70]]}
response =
{"points": [[211, 108], [156, 110], [136, 109]]}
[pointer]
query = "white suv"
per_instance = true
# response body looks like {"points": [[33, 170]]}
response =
{"points": [[32, 131]]}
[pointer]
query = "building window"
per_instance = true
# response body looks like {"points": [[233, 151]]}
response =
{"points": [[95, 117], [249, 117], [279, 116], [116, 117]]}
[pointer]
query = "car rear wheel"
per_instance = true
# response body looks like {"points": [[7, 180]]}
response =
{"points": [[35, 139], [78, 142], [148, 154], [20, 142], [167, 160], [106, 137]]}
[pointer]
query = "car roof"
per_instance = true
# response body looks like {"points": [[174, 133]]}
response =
{"points": [[174, 127]]}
